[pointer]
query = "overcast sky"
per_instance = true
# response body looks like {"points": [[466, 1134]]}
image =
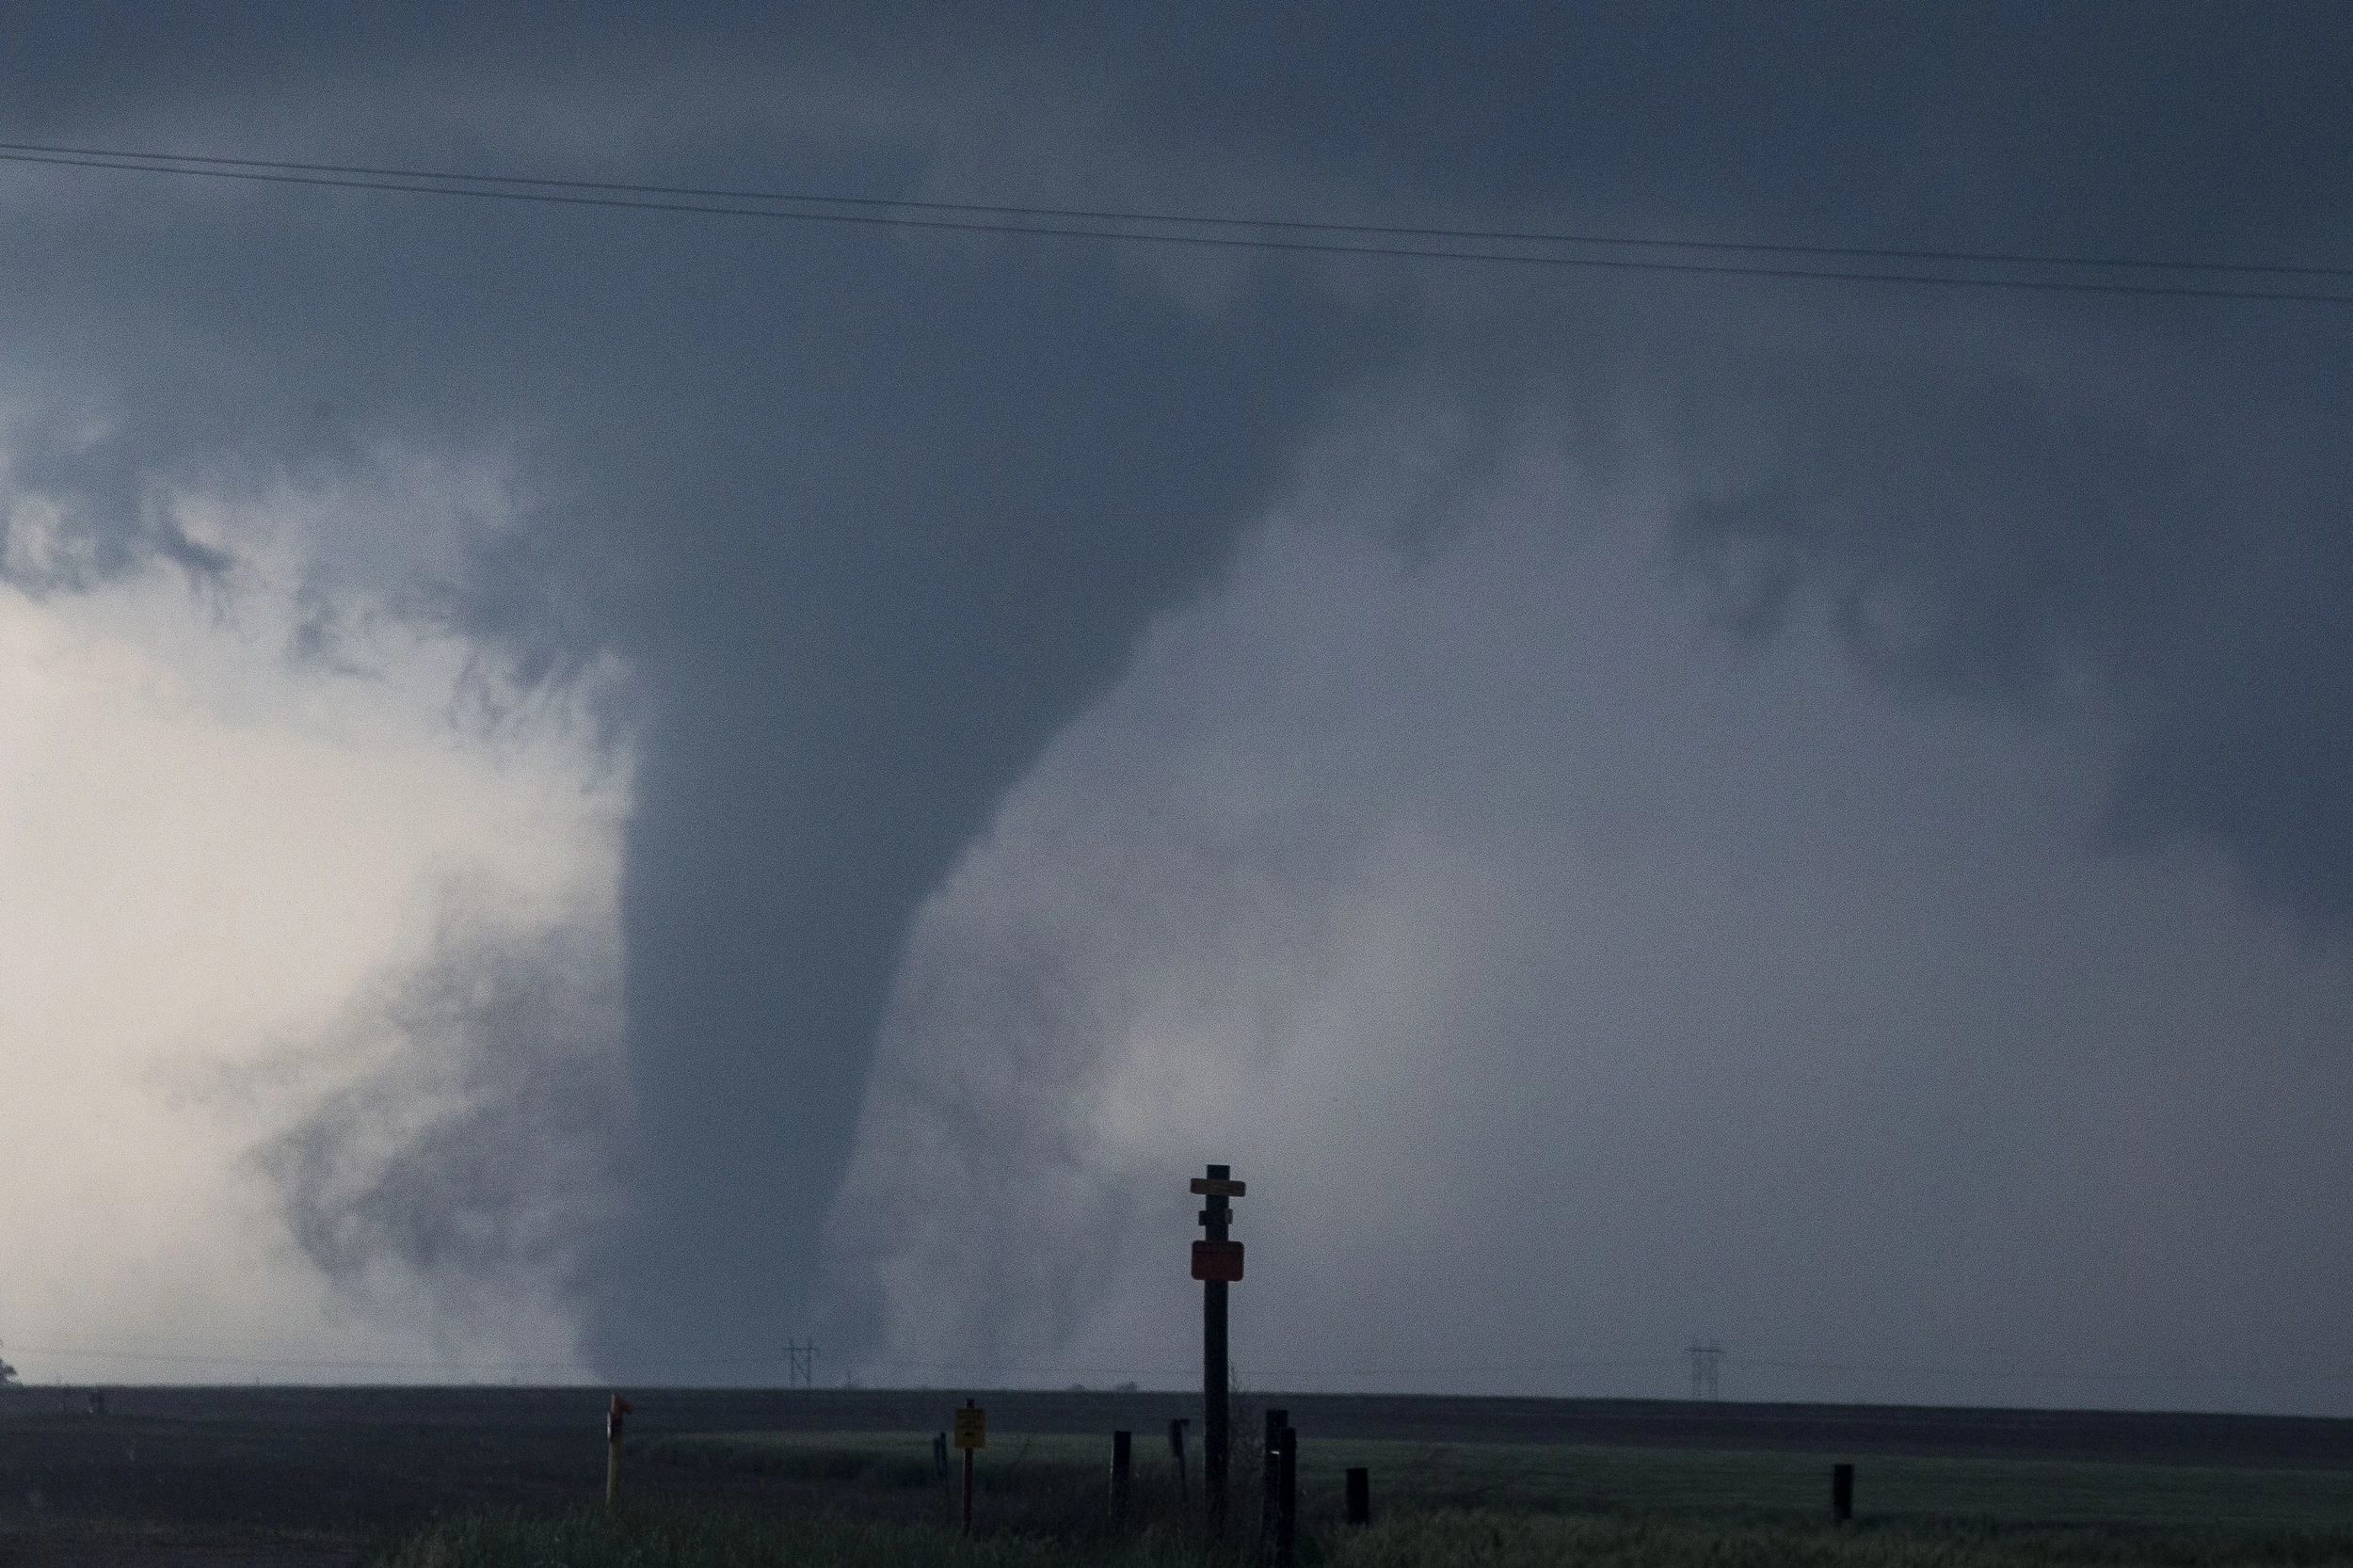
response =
{"points": [[588, 790]]}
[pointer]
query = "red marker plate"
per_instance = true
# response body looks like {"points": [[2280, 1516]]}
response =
{"points": [[1217, 1260]]}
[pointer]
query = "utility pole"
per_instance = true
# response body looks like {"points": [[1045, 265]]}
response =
{"points": [[1216, 1262], [800, 1363], [1706, 1354]]}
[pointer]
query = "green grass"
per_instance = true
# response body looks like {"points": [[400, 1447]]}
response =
{"points": [[455, 1496], [1519, 1479], [1045, 1485], [1797, 1486], [1468, 1505], [1447, 1538], [717, 1537], [899, 1460], [1486, 1539]]}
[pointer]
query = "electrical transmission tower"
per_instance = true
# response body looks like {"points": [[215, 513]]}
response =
{"points": [[1706, 1356], [800, 1363]]}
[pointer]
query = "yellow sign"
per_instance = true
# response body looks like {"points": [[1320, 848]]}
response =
{"points": [[972, 1427]]}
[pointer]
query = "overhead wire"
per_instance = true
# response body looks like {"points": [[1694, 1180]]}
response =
{"points": [[1054, 1371], [167, 160], [1376, 241], [1065, 1370]]}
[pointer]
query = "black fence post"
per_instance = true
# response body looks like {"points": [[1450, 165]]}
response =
{"points": [[1286, 1499], [1359, 1496], [1273, 1473], [1177, 1449], [1842, 1493], [615, 1413], [1123, 1454]]}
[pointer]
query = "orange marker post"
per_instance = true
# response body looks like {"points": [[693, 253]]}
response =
{"points": [[971, 1432]]}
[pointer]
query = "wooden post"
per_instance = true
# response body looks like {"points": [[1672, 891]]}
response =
{"points": [[1286, 1498], [1842, 1493], [1123, 1453], [614, 1414], [1270, 1475], [1359, 1496], [1216, 1263], [939, 1456], [1176, 1448]]}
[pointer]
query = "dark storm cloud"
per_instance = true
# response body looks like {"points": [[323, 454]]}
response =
{"points": [[2046, 541], [869, 518]]}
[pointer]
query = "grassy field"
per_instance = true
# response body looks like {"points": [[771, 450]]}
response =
{"points": [[1444, 1538], [420, 1479], [1558, 1479]]}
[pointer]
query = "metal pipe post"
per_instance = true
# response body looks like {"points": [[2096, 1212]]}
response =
{"points": [[1215, 1215]]}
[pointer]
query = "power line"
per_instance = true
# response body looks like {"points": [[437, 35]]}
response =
{"points": [[799, 1364], [169, 161], [1462, 244], [180, 1358], [1700, 1355], [2044, 1374]]}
